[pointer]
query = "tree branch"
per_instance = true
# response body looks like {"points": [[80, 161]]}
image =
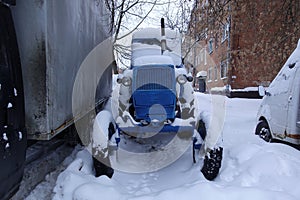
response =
{"points": [[138, 23]]}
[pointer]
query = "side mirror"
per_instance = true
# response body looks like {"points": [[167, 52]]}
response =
{"points": [[189, 78], [119, 79], [261, 91]]}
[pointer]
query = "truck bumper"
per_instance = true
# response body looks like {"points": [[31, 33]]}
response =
{"points": [[184, 132]]}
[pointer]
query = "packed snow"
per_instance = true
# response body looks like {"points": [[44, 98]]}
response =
{"points": [[251, 168]]}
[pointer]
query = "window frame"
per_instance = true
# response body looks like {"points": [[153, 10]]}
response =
{"points": [[210, 46], [209, 75], [216, 73], [224, 65], [225, 32]]}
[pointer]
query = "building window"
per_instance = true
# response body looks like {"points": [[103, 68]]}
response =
{"points": [[223, 69], [202, 56], [210, 46], [216, 73], [205, 61], [209, 75], [198, 60], [225, 30], [217, 41]]}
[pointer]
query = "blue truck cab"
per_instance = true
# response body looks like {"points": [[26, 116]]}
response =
{"points": [[154, 92]]}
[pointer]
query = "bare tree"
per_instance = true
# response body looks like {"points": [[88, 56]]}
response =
{"points": [[127, 16], [178, 16]]}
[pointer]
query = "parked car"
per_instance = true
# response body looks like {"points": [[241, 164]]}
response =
{"points": [[279, 113]]}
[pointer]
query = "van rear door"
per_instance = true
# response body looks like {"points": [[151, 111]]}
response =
{"points": [[292, 130], [280, 92]]}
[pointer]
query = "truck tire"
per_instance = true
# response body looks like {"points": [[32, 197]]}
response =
{"points": [[201, 129], [263, 130], [212, 164], [101, 161], [101, 169]]}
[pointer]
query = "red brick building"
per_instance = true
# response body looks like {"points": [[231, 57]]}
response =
{"points": [[241, 43]]}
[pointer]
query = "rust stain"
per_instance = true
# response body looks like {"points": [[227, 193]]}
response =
{"points": [[294, 136], [289, 135]]}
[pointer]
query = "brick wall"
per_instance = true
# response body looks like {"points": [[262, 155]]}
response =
{"points": [[263, 34]]}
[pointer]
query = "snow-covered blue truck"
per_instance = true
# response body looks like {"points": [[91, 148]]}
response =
{"points": [[154, 104]]}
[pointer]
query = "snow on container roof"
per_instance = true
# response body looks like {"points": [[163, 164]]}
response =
{"points": [[147, 33], [152, 36], [149, 38], [153, 60], [155, 33]]}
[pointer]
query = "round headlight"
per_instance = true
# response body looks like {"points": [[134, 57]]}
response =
{"points": [[126, 81], [181, 79]]}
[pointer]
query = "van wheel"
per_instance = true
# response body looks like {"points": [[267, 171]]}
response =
{"points": [[263, 130]]}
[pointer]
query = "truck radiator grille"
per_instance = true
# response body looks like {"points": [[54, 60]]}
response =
{"points": [[154, 78]]}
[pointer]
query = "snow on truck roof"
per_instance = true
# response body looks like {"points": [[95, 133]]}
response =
{"points": [[153, 60]]}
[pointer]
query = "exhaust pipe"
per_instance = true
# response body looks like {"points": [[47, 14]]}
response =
{"points": [[163, 36]]}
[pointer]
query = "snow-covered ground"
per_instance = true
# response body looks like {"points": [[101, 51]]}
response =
{"points": [[251, 169]]}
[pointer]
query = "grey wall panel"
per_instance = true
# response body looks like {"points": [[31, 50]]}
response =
{"points": [[54, 38], [29, 18]]}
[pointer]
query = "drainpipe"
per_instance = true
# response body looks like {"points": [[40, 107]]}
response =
{"points": [[228, 86]]}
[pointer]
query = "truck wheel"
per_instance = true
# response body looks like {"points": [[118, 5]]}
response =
{"points": [[101, 159], [202, 129], [102, 169], [263, 130], [212, 164]]}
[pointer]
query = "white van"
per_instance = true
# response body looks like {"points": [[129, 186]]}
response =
{"points": [[279, 113]]}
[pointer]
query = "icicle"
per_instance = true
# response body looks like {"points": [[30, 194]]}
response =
{"points": [[5, 137], [9, 105], [15, 92], [20, 135]]}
